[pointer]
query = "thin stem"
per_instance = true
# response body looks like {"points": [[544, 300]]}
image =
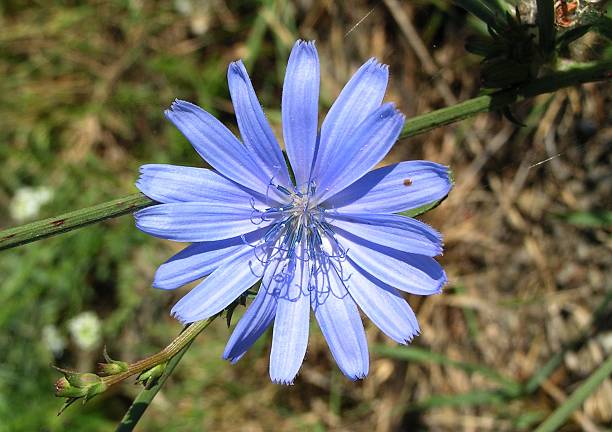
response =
{"points": [[572, 403], [579, 74], [38, 230], [144, 398], [178, 344]]}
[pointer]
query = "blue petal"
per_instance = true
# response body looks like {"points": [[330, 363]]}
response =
{"points": [[300, 108], [341, 324], [173, 183], [367, 146], [219, 289], [395, 188], [197, 222], [218, 146], [290, 283], [251, 326], [254, 127], [416, 274], [200, 259], [382, 304], [394, 231], [360, 96]]}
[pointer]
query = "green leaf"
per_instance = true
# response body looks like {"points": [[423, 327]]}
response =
{"points": [[416, 354], [488, 11], [593, 219]]}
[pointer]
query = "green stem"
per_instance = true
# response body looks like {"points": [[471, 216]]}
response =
{"points": [[579, 74], [572, 403], [144, 398], [38, 230], [177, 345]]}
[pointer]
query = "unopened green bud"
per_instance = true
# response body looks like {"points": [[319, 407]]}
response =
{"points": [[95, 389], [63, 388], [75, 385], [112, 367], [82, 380], [150, 376]]}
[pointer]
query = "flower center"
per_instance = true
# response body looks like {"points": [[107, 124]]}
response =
{"points": [[300, 230]]}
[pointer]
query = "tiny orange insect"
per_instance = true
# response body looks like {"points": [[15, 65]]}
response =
{"points": [[565, 12]]}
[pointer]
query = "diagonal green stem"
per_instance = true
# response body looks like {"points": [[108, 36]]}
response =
{"points": [[38, 230], [144, 398], [579, 74], [572, 403]]}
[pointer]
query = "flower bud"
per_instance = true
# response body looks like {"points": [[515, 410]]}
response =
{"points": [[63, 388], [82, 380], [112, 367], [150, 376], [75, 385]]}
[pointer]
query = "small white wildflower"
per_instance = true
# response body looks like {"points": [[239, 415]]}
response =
{"points": [[53, 339], [27, 201], [85, 329]]}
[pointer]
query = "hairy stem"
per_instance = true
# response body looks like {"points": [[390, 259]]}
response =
{"points": [[144, 398], [578, 74], [38, 230], [179, 343]]}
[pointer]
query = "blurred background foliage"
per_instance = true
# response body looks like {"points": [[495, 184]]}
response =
{"points": [[528, 247]]}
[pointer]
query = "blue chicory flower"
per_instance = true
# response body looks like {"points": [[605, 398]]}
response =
{"points": [[331, 241]]}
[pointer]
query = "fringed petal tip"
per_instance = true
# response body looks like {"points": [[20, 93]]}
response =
{"points": [[302, 42], [357, 376], [176, 315], [408, 340], [442, 283], [373, 61], [178, 105], [281, 381], [237, 67], [231, 356], [161, 286]]}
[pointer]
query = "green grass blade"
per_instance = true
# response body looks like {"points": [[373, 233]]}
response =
{"points": [[573, 402], [420, 355], [486, 11], [589, 219]]}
